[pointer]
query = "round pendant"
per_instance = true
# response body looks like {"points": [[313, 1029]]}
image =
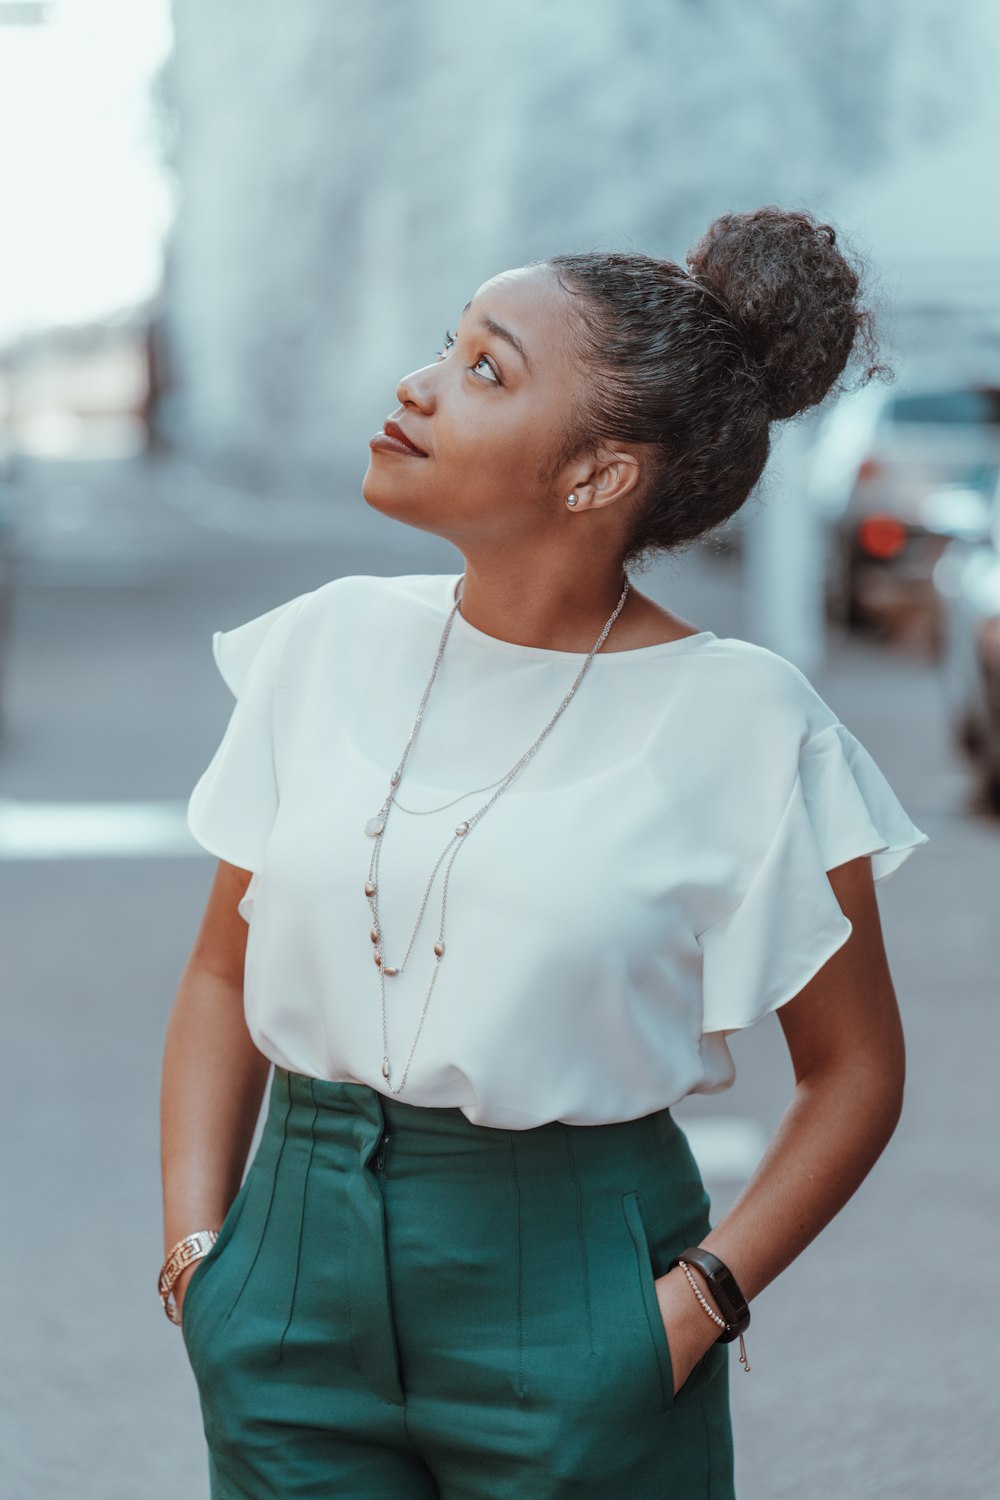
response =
{"points": [[374, 827]]}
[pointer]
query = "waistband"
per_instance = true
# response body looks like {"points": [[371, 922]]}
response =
{"points": [[358, 1112]]}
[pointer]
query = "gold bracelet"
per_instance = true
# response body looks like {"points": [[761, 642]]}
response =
{"points": [[191, 1248]]}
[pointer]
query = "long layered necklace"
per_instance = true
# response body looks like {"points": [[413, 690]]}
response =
{"points": [[376, 826]]}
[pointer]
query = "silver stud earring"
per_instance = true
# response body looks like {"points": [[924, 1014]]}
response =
{"points": [[570, 499]]}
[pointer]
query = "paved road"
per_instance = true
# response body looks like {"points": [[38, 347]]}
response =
{"points": [[874, 1364]]}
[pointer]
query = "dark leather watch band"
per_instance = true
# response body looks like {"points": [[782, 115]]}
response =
{"points": [[732, 1304]]}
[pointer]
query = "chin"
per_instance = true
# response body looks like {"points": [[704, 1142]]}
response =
{"points": [[392, 500], [379, 495]]}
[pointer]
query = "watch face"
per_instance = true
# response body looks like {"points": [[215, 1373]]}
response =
{"points": [[723, 1284]]}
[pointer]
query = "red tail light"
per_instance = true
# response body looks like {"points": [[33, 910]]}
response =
{"points": [[881, 536]]}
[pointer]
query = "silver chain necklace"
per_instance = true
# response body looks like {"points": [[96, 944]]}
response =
{"points": [[422, 812], [375, 829]]}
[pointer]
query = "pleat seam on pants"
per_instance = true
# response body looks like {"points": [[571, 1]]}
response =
{"points": [[352, 1325], [518, 1269], [270, 1201], [581, 1237], [302, 1220]]}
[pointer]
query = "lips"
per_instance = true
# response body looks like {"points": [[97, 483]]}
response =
{"points": [[393, 430]]}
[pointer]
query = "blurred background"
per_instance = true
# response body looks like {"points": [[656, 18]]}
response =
{"points": [[227, 231]]}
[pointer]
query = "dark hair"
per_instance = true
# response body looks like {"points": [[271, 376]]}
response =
{"points": [[698, 366]]}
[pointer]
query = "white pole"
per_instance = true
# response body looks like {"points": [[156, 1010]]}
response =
{"points": [[783, 556]]}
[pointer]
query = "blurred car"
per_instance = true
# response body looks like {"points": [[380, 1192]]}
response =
{"points": [[967, 582], [892, 473]]}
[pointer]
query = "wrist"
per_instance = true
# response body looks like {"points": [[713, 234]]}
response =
{"points": [[182, 1257], [674, 1289], [706, 1290], [732, 1312]]}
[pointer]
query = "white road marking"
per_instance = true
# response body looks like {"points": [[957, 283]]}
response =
{"points": [[727, 1149], [94, 830]]}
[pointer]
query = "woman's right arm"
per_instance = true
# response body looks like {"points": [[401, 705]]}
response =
{"points": [[213, 1076]]}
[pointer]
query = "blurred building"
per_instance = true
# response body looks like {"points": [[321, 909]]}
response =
{"points": [[933, 223], [23, 12], [350, 174]]}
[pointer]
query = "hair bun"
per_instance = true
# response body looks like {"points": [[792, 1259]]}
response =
{"points": [[792, 296]]}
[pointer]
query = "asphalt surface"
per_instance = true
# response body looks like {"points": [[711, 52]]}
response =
{"points": [[874, 1362]]}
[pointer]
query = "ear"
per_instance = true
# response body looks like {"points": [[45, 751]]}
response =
{"points": [[611, 477]]}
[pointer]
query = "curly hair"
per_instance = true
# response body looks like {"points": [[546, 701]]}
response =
{"points": [[696, 364]]}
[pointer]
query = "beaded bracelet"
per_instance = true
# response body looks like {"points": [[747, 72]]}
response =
{"points": [[712, 1313]]}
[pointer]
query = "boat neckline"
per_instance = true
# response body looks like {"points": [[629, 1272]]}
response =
{"points": [[515, 648]]}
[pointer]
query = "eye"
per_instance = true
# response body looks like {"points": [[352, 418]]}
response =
{"points": [[482, 360], [493, 378]]}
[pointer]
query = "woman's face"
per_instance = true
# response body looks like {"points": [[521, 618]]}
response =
{"points": [[489, 413]]}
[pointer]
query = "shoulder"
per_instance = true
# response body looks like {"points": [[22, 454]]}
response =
{"points": [[739, 737], [375, 591], [350, 597], [367, 605], [367, 612], [762, 691]]}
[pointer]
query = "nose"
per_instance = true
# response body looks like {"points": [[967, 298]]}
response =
{"points": [[417, 389]]}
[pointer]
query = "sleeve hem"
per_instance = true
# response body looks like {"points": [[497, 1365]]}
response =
{"points": [[212, 846], [223, 665], [790, 990], [854, 809]]}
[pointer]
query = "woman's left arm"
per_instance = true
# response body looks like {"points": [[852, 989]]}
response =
{"points": [[845, 1037]]}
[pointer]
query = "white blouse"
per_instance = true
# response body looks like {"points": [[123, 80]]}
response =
{"points": [[653, 878]]}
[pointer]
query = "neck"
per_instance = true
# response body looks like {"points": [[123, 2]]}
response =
{"points": [[531, 606]]}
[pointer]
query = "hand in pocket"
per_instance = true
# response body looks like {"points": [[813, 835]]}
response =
{"points": [[690, 1332], [181, 1284]]}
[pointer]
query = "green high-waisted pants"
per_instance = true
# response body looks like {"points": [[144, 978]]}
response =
{"points": [[402, 1305]]}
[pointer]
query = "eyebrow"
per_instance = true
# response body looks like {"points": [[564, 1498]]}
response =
{"points": [[502, 333]]}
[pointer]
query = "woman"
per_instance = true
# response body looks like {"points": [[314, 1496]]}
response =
{"points": [[582, 840]]}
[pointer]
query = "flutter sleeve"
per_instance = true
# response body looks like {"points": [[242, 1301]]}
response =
{"points": [[789, 921], [232, 808]]}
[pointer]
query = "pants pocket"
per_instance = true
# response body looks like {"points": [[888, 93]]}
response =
{"points": [[647, 1288], [202, 1271]]}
